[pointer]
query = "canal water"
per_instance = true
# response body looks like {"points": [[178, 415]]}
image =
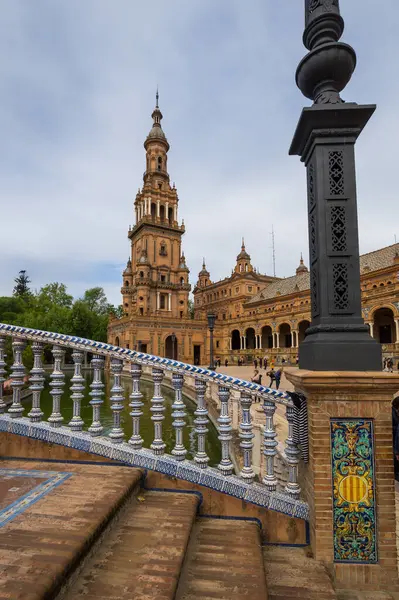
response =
{"points": [[146, 425]]}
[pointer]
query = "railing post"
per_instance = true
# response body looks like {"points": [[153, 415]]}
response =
{"points": [[246, 436], [225, 465], [157, 408], [37, 382], [3, 405], [179, 412], [117, 399], [77, 387], [96, 394], [136, 404], [292, 453], [16, 409], [269, 446], [201, 458], [57, 384]]}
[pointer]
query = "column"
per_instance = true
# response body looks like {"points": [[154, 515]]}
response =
{"points": [[169, 301], [166, 210], [365, 399], [158, 300], [397, 330], [158, 209], [371, 328], [293, 339], [137, 214], [274, 339], [175, 212], [277, 340]]}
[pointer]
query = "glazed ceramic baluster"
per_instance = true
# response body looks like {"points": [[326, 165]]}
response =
{"points": [[225, 465], [37, 382], [136, 405], [246, 436], [96, 394], [179, 413], [57, 383], [157, 409], [16, 409], [117, 399], [269, 446], [292, 453], [77, 389], [3, 405], [201, 422]]}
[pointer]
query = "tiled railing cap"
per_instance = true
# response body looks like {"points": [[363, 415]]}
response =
{"points": [[142, 358]]}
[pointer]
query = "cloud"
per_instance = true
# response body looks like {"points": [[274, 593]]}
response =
{"points": [[77, 82]]}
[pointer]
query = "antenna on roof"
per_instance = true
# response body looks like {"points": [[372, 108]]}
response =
{"points": [[273, 252]]}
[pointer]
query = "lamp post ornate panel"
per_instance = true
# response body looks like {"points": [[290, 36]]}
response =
{"points": [[325, 140]]}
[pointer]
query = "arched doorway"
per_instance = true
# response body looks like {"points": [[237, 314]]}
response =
{"points": [[302, 327], [235, 340], [117, 341], [285, 336], [250, 338], [384, 326], [171, 347], [267, 337]]}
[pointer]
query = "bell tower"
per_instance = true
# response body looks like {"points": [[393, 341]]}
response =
{"points": [[160, 278]]}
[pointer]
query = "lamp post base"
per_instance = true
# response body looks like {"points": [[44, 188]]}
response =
{"points": [[340, 351]]}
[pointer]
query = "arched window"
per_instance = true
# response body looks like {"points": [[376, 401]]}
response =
{"points": [[126, 284], [162, 250], [141, 274], [159, 163], [181, 280], [117, 341]]}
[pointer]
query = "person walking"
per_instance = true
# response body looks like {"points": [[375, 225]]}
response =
{"points": [[272, 376], [255, 363], [277, 377], [265, 363]]}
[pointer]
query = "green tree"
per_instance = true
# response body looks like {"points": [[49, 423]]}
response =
{"points": [[96, 300], [117, 311], [21, 288], [55, 294], [11, 308]]}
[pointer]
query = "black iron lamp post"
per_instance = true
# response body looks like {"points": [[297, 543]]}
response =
{"points": [[325, 138], [173, 337], [211, 326]]}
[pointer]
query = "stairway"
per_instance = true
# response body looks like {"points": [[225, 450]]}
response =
{"points": [[100, 536]]}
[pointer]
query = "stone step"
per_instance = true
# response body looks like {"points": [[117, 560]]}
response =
{"points": [[44, 539], [224, 561], [291, 573], [142, 555]]}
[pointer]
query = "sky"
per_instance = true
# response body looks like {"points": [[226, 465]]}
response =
{"points": [[77, 88]]}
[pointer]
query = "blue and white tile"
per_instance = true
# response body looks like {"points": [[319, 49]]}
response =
{"points": [[168, 467], [189, 472], [20, 427]]}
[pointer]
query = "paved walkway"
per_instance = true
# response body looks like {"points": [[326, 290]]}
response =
{"points": [[247, 372]]}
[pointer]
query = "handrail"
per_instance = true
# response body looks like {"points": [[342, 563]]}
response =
{"points": [[78, 343]]}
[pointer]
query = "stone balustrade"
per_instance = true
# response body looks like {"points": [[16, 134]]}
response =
{"points": [[232, 400]]}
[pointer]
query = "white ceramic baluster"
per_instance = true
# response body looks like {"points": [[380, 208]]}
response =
{"points": [[16, 409], [201, 458], [3, 405], [136, 405], [246, 436], [96, 394], [57, 383], [179, 413], [157, 409], [269, 446], [77, 388], [37, 382], [292, 453], [225, 465], [117, 400]]}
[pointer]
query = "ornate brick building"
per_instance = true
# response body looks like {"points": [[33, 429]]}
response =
{"points": [[257, 314]]}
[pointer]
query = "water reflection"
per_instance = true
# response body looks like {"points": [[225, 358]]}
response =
{"points": [[146, 425]]}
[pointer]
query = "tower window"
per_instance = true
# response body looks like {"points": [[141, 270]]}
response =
{"points": [[159, 163], [181, 314], [162, 250], [141, 274], [126, 284], [141, 311], [162, 300], [181, 280]]}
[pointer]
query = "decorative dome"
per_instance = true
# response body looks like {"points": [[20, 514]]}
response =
{"points": [[128, 270], [302, 267], [182, 265], [243, 254], [203, 272], [156, 132]]}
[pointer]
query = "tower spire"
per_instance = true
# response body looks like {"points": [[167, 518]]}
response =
{"points": [[243, 245], [157, 98]]}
